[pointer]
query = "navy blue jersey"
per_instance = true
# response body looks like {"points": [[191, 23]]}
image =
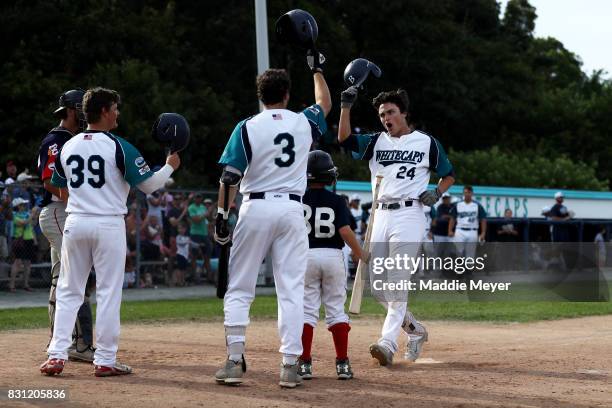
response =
{"points": [[47, 153], [326, 213]]}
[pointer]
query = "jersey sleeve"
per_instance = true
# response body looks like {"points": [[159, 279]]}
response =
{"points": [[438, 160], [237, 151], [316, 119], [46, 160], [482, 213], [130, 162], [433, 213], [58, 179], [362, 146]]}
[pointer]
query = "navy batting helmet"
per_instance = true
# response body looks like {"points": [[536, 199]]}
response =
{"points": [[297, 28], [357, 71], [172, 130], [321, 168]]}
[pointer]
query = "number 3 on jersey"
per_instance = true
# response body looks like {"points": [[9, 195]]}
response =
{"points": [[287, 149], [95, 166], [327, 223]]}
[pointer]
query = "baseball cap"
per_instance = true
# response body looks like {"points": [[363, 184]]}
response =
{"points": [[208, 201], [355, 197], [445, 194], [559, 194], [18, 201], [546, 209], [70, 99]]}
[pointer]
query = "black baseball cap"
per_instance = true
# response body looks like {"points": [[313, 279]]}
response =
{"points": [[72, 99]]}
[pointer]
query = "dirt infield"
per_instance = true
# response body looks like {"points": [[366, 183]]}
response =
{"points": [[565, 363]]}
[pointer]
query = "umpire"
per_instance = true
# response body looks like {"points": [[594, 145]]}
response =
{"points": [[53, 216]]}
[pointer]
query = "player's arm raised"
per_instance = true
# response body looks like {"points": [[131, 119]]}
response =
{"points": [[347, 99]]}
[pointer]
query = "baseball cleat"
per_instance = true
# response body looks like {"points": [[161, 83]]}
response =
{"points": [[305, 369], [382, 354], [415, 346], [232, 373], [52, 366], [343, 369], [110, 371], [289, 377], [86, 355]]}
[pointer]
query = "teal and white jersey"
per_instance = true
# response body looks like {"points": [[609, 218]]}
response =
{"points": [[468, 215], [271, 149], [99, 168], [405, 162]]}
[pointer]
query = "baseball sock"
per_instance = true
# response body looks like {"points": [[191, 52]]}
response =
{"points": [[339, 333], [307, 334], [235, 337]]}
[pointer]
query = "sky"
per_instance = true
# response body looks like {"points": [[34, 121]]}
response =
{"points": [[583, 26]]}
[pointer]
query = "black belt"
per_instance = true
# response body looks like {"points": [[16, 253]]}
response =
{"points": [[468, 229], [261, 196], [395, 206]]}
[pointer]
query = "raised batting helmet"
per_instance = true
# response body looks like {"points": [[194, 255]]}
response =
{"points": [[321, 168], [357, 71], [297, 28], [172, 130]]}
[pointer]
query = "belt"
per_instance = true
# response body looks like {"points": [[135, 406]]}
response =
{"points": [[468, 229], [395, 206], [262, 196]]}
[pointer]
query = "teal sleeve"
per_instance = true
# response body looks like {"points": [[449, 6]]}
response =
{"points": [[481, 212], [316, 115], [58, 181], [135, 168], [433, 214], [361, 146], [236, 153], [443, 165]]}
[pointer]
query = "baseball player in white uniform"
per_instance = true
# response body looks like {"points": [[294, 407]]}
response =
{"points": [[467, 216], [97, 168], [267, 154], [405, 157]]}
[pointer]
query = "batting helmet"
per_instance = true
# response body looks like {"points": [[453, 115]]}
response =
{"points": [[72, 99], [357, 71], [321, 168], [297, 28], [172, 130]]}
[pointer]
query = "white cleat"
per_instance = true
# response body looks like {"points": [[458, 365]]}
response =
{"points": [[415, 345]]}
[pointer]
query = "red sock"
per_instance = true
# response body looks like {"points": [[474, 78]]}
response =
{"points": [[307, 342], [340, 332]]}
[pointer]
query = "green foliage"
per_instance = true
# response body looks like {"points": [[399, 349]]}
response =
{"points": [[475, 80], [524, 169]]}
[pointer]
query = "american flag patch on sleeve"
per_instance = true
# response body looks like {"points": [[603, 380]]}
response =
{"points": [[277, 116]]}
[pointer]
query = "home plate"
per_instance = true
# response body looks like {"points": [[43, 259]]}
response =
{"points": [[428, 361]]}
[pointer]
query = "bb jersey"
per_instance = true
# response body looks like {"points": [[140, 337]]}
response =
{"points": [[271, 149], [405, 162], [99, 168], [468, 215], [47, 154], [325, 214]]}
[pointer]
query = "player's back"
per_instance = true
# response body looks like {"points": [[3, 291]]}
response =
{"points": [[325, 213], [93, 165], [279, 141]]}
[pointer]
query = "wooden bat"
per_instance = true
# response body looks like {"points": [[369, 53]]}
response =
{"points": [[225, 251], [357, 294]]}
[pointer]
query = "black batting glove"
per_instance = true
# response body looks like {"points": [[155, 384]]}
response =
{"points": [[431, 197], [222, 233], [315, 60], [348, 97]]}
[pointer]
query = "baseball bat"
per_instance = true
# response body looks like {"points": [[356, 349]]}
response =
{"points": [[225, 250], [357, 294]]}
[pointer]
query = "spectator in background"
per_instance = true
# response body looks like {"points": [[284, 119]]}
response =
{"points": [[11, 173], [440, 227], [183, 244], [507, 231], [6, 216], [600, 240], [154, 203], [198, 214], [176, 214], [150, 235], [23, 242], [559, 212], [357, 213]]}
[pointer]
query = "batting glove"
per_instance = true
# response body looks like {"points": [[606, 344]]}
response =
{"points": [[315, 60], [222, 233], [348, 97], [431, 197]]}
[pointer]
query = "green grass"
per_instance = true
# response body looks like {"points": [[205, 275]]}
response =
{"points": [[211, 309]]}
